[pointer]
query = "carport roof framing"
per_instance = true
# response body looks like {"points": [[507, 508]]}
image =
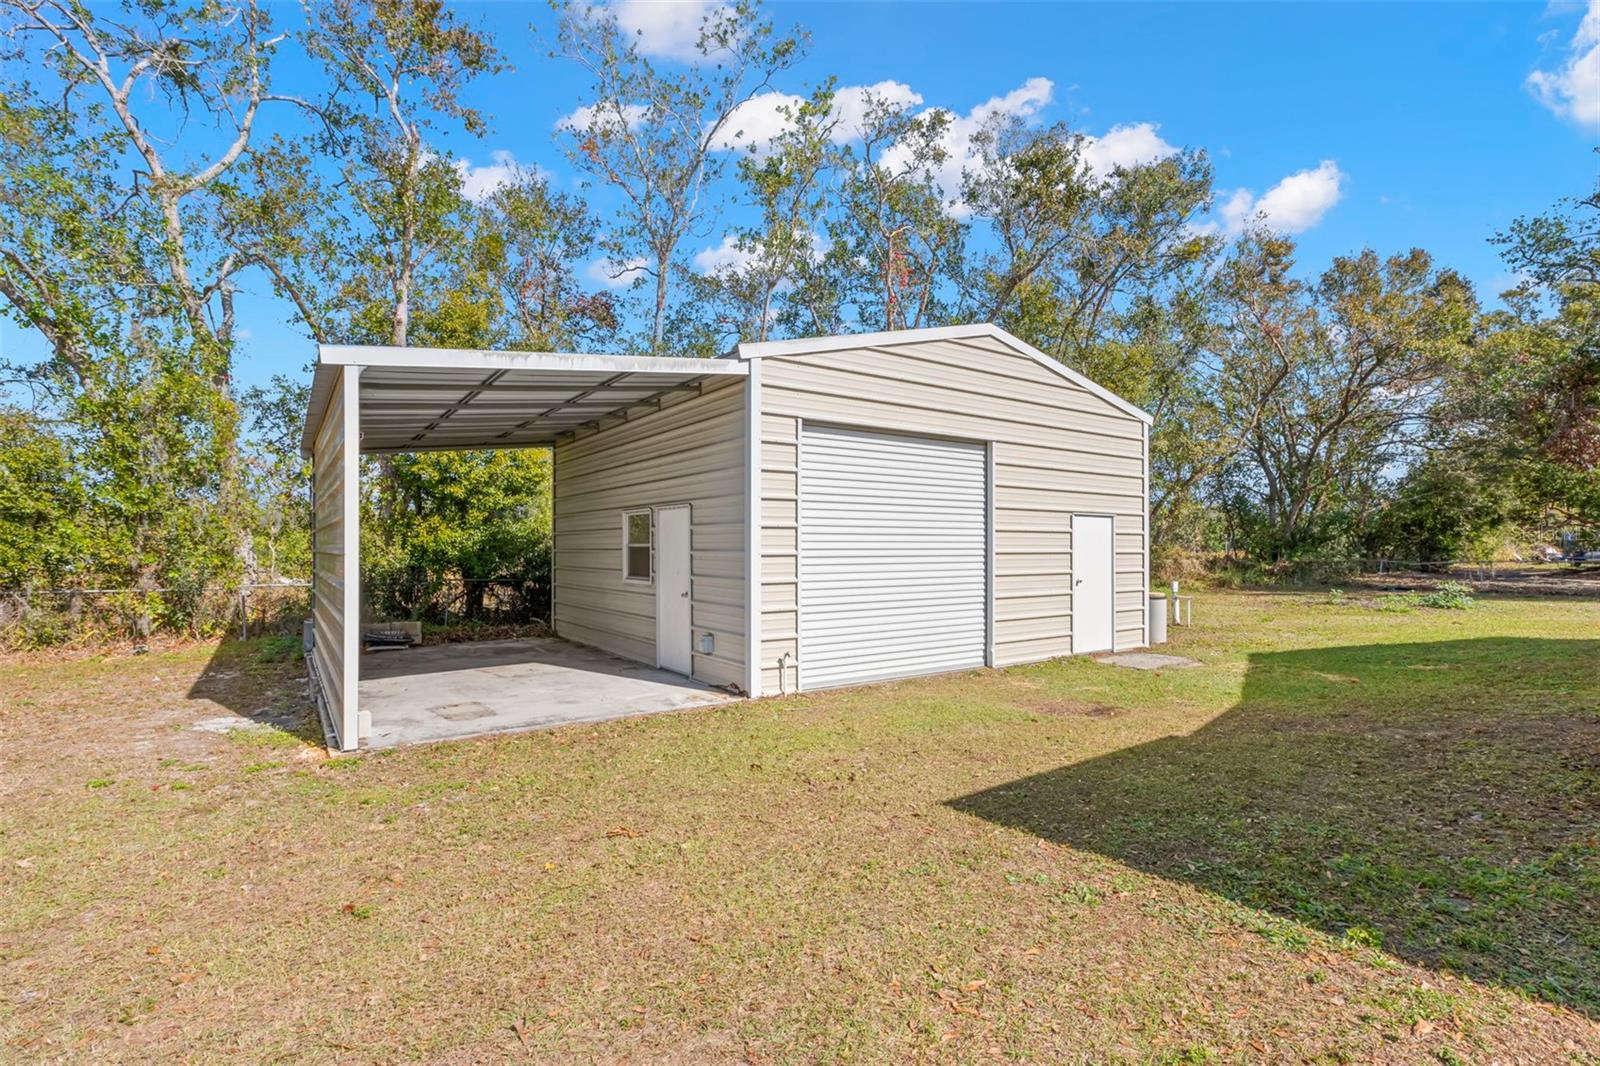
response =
{"points": [[447, 399]]}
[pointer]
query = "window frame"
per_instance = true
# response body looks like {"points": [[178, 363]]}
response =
{"points": [[650, 516]]}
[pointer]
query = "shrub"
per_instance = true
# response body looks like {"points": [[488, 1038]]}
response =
{"points": [[1448, 596]]}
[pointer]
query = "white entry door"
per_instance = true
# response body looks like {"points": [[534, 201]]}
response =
{"points": [[1093, 589], [673, 638], [893, 556]]}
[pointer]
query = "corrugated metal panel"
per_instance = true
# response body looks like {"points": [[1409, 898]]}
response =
{"points": [[1058, 450], [893, 542], [417, 399], [335, 560], [691, 451]]}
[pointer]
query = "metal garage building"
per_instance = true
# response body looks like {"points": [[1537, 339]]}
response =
{"points": [[803, 514]]}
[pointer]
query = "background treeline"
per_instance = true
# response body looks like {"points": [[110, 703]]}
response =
{"points": [[155, 160]]}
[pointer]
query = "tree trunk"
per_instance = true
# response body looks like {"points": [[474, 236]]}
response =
{"points": [[663, 269]]}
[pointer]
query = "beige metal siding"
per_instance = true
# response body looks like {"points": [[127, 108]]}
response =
{"points": [[1058, 450], [335, 480], [690, 451]]}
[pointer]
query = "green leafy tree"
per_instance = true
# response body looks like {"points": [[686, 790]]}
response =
{"points": [[43, 538], [785, 181], [1329, 385], [278, 476], [534, 239], [122, 140], [396, 214], [1072, 248], [1443, 509], [477, 516], [895, 248], [658, 136], [1527, 403]]}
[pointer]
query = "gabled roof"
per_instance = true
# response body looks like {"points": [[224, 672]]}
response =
{"points": [[813, 345]]}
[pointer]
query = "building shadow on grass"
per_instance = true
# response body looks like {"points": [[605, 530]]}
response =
{"points": [[262, 681], [1441, 798]]}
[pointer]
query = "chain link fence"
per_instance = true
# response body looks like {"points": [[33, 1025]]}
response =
{"points": [[448, 600], [88, 617], [85, 617], [1244, 571]]}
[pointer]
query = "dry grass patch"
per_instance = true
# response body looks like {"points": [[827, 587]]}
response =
{"points": [[1248, 862]]}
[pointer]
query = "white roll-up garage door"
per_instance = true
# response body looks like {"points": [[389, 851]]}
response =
{"points": [[893, 556]]}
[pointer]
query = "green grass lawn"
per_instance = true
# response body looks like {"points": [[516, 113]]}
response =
{"points": [[1350, 835]]}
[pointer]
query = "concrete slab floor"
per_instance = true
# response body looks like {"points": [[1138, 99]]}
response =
{"points": [[450, 691]]}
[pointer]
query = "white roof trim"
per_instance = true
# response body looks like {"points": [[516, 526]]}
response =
{"points": [[810, 345], [471, 358]]}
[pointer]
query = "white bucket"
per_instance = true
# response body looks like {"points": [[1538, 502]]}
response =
{"points": [[1158, 618]]}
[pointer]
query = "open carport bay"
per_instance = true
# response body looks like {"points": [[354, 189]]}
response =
{"points": [[448, 691]]}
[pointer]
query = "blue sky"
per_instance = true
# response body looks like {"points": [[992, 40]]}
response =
{"points": [[1395, 125]]}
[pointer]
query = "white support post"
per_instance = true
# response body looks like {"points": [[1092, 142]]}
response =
{"points": [[353, 726]]}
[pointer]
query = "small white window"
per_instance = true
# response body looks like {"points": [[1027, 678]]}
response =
{"points": [[636, 546]]}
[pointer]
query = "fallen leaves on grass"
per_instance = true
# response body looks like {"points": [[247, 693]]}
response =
{"points": [[1075, 708]]}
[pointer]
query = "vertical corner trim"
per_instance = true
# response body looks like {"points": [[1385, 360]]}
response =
{"points": [[1146, 540], [989, 552], [752, 530]]}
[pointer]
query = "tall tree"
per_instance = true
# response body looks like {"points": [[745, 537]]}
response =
{"points": [[398, 68], [537, 239], [895, 248], [1329, 384], [657, 136], [122, 140], [277, 475], [784, 181], [117, 85], [1527, 404], [1071, 247], [1163, 357]]}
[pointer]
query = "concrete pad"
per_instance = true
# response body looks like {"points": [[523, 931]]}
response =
{"points": [[1147, 660], [449, 691]]}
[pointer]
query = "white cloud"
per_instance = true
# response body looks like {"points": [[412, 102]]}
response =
{"points": [[614, 275], [1573, 90], [725, 256], [728, 257], [584, 117], [850, 105], [477, 183], [669, 29], [1299, 201], [1294, 205], [1125, 146], [1024, 101], [1236, 211], [757, 121], [762, 117]]}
